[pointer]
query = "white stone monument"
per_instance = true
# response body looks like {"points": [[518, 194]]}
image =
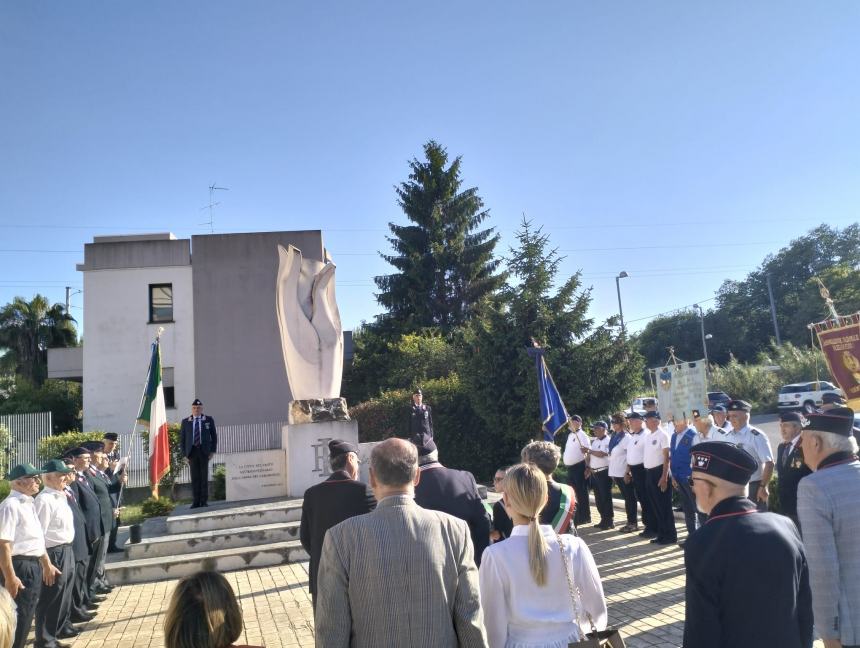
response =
{"points": [[312, 345]]}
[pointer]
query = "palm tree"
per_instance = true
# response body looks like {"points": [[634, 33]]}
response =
{"points": [[28, 329]]}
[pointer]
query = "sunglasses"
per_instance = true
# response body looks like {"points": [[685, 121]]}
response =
{"points": [[692, 480]]}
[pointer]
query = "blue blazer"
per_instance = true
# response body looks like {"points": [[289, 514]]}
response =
{"points": [[208, 435]]}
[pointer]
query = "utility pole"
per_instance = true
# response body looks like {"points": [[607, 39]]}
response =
{"points": [[622, 275], [773, 310], [704, 339], [69, 294]]}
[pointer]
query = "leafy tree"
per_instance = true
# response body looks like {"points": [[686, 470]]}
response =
{"points": [[60, 397], [594, 369], [682, 331], [445, 265], [28, 329]]}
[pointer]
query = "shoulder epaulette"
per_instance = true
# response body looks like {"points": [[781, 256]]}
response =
{"points": [[754, 431]]}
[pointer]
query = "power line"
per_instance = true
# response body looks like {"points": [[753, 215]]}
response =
{"points": [[674, 310]]}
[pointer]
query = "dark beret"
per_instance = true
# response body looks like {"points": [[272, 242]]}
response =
{"points": [[635, 415], [336, 447], [111, 436], [94, 446], [839, 420], [600, 424], [577, 418], [425, 445], [417, 390], [195, 402], [76, 452], [724, 461], [739, 406], [647, 402], [718, 408], [791, 417], [832, 398], [651, 415]]}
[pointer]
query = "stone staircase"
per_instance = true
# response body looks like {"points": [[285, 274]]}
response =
{"points": [[224, 536]]}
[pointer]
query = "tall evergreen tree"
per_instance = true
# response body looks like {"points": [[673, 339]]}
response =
{"points": [[445, 265]]}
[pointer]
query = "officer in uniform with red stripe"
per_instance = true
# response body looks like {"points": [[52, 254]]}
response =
{"points": [[747, 576]]}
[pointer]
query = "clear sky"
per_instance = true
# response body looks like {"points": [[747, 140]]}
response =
{"points": [[679, 141]]}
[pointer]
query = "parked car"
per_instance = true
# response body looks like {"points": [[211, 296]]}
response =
{"points": [[638, 406], [805, 396], [718, 398]]}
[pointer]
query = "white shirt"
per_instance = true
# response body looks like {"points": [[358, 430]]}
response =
{"points": [[755, 442], [601, 445], [636, 447], [714, 434], [573, 448], [655, 443], [618, 458], [20, 526], [519, 612], [55, 516]]}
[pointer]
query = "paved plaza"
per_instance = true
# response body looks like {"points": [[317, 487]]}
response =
{"points": [[644, 588]]}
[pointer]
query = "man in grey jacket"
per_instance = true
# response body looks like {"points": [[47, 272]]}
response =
{"points": [[829, 510], [401, 575]]}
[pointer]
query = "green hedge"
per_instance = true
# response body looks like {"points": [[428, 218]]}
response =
{"points": [[53, 447], [459, 433], [156, 507]]}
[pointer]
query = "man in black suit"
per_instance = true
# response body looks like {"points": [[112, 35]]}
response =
{"points": [[106, 489], [454, 492], [75, 610], [82, 489], [199, 442], [420, 419], [331, 502], [789, 463]]}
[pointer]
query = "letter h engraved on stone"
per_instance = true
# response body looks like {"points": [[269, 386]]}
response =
{"points": [[321, 463]]}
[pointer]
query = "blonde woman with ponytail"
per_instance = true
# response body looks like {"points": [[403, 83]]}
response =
{"points": [[524, 589]]}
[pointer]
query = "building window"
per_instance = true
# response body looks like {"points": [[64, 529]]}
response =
{"points": [[167, 385], [160, 303]]}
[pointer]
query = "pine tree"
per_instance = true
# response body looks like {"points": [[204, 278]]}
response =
{"points": [[445, 266]]}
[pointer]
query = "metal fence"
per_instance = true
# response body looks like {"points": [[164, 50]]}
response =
{"points": [[25, 432], [231, 439]]}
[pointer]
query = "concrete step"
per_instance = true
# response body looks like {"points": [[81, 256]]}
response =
{"points": [[147, 570], [179, 544], [232, 516]]}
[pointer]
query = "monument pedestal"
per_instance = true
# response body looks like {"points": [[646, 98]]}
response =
{"points": [[306, 445]]}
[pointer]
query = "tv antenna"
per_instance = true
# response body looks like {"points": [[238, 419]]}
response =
{"points": [[212, 204]]}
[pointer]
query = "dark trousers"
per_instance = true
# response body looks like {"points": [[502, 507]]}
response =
{"points": [[576, 480], [629, 494], [101, 578], [29, 572], [80, 597], [198, 461], [93, 567], [640, 487], [113, 531], [753, 495], [688, 504], [49, 610], [661, 504], [603, 495]]}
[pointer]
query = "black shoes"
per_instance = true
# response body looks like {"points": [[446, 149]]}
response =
{"points": [[663, 541], [114, 550], [68, 634], [647, 534], [82, 618]]}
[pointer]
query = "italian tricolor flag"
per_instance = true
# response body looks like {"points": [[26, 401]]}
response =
{"points": [[153, 414]]}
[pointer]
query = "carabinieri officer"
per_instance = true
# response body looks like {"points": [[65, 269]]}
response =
{"points": [[747, 577]]}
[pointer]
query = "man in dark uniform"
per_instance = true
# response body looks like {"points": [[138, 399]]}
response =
{"points": [[111, 441], [747, 576], [75, 609], [420, 419], [789, 463], [454, 492], [106, 489], [199, 442], [87, 499], [338, 498]]}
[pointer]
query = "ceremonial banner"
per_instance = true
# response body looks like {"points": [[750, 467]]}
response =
{"points": [[553, 413], [840, 342], [154, 416], [682, 389]]}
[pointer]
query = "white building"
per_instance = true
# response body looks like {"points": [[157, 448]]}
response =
{"points": [[214, 295]]}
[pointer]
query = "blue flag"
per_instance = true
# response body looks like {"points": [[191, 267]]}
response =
{"points": [[553, 413]]}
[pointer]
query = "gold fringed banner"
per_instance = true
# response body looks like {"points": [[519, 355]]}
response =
{"points": [[840, 341]]}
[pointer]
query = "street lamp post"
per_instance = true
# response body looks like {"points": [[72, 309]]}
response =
{"points": [[704, 337], [622, 275]]}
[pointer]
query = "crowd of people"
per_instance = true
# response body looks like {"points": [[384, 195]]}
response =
{"points": [[416, 558], [56, 527]]}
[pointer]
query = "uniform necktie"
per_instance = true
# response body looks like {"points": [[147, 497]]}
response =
{"points": [[197, 431]]}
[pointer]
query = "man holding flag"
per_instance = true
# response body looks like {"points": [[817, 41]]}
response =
{"points": [[154, 416]]}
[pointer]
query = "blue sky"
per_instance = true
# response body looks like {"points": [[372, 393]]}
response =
{"points": [[679, 141]]}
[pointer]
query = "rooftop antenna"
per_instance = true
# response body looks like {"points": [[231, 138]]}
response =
{"points": [[212, 204]]}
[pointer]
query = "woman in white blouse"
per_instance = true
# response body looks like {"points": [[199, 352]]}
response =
{"points": [[525, 593]]}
